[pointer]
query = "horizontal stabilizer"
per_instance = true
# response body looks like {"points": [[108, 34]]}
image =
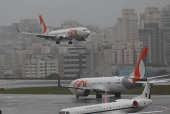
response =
{"points": [[158, 76], [152, 112]]}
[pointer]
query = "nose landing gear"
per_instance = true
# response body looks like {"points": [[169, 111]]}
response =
{"points": [[98, 95], [70, 42]]}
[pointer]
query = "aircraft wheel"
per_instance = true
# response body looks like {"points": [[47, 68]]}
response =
{"points": [[70, 42], [98, 96], [117, 95], [57, 42], [77, 96]]}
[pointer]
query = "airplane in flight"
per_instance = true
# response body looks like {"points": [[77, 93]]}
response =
{"points": [[79, 33], [120, 106], [111, 85]]}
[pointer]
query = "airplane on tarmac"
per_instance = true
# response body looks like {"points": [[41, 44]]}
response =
{"points": [[79, 33], [121, 106], [112, 85]]}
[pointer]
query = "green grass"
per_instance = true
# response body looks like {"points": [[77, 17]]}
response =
{"points": [[156, 90]]}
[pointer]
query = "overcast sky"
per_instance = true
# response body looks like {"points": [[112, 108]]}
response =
{"points": [[89, 12]]}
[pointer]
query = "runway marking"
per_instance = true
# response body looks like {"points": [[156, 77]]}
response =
{"points": [[23, 96], [166, 108]]}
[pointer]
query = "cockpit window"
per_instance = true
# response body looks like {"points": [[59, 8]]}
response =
{"points": [[84, 29], [67, 112], [62, 112]]}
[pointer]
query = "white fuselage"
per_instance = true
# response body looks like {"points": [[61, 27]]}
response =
{"points": [[108, 84], [113, 107], [72, 33]]}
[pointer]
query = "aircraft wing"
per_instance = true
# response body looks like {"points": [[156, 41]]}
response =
{"points": [[87, 88], [52, 37], [93, 89], [152, 112], [155, 77]]}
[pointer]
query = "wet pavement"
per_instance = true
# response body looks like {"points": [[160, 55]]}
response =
{"points": [[52, 104]]}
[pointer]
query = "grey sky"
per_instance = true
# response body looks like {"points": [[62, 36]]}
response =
{"points": [[89, 12]]}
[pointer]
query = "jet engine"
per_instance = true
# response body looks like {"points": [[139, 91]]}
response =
{"points": [[135, 104], [82, 92]]}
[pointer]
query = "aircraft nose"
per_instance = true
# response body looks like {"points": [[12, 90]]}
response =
{"points": [[88, 32]]}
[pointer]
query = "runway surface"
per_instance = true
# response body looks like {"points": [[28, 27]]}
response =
{"points": [[52, 104]]}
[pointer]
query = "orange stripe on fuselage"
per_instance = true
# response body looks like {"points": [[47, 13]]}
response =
{"points": [[137, 72]]}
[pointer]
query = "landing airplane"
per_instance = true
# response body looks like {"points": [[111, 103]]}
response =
{"points": [[112, 85], [79, 33], [121, 106]]}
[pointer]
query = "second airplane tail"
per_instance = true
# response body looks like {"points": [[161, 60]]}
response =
{"points": [[140, 69], [44, 28]]}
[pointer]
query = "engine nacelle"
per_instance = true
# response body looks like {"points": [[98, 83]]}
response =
{"points": [[82, 92]]}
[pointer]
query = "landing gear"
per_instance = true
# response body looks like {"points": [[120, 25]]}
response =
{"points": [[77, 96], [57, 42], [70, 42], [84, 39], [117, 95], [98, 96]]}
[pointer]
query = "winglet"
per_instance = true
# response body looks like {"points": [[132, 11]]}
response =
{"points": [[18, 29], [59, 81]]}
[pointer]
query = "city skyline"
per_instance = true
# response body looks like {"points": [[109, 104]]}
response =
{"points": [[86, 12]]}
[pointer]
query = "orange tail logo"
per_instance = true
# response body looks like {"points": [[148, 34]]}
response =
{"points": [[140, 68]]}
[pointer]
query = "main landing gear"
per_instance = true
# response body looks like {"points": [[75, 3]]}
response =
{"points": [[98, 96], [77, 96], [57, 42], [117, 95], [70, 42]]}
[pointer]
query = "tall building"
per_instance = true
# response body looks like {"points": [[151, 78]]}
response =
{"points": [[146, 36], [166, 16], [74, 62], [132, 52], [151, 15], [118, 52], [29, 25], [151, 37], [71, 24], [165, 34], [39, 66], [128, 26], [96, 38], [108, 36], [165, 38]]}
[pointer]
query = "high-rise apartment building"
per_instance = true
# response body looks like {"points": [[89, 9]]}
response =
{"points": [[29, 25], [165, 34], [151, 15], [39, 66], [74, 62], [128, 26], [151, 37], [166, 17], [131, 52]]}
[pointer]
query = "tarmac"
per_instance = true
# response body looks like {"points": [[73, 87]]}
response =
{"points": [[52, 104]]}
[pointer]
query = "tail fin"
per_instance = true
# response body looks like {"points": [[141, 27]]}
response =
{"points": [[140, 69], [44, 28], [147, 92]]}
